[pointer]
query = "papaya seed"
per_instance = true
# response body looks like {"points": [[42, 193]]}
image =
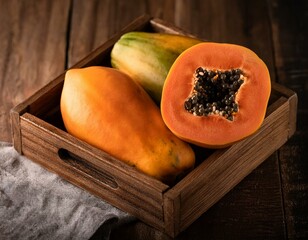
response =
{"points": [[214, 92]]}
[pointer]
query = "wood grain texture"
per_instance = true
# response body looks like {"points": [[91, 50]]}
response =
{"points": [[93, 22], [239, 22], [32, 43], [289, 25], [38, 39]]}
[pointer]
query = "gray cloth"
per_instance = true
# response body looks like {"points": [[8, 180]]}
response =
{"points": [[37, 204]]}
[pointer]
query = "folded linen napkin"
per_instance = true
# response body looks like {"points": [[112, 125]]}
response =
{"points": [[37, 204]]}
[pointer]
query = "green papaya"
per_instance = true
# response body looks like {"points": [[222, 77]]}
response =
{"points": [[147, 57]]}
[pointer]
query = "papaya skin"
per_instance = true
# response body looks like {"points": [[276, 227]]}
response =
{"points": [[107, 109], [215, 131], [147, 57]]}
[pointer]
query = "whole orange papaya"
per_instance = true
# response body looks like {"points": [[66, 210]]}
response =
{"points": [[107, 109]]}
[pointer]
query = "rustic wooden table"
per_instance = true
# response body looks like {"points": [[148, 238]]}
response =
{"points": [[39, 39]]}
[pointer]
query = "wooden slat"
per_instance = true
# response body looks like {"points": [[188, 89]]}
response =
{"points": [[15, 129], [94, 22], [237, 21], [172, 210], [293, 101], [32, 43], [160, 25], [101, 54]]}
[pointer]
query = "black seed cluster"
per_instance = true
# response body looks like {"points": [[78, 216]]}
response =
{"points": [[214, 92]]}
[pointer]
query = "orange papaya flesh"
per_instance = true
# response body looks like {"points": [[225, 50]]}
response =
{"points": [[107, 109], [194, 106]]}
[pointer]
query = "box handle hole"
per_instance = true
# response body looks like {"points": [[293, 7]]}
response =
{"points": [[82, 166]]}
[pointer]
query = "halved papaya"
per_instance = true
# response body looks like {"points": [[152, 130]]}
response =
{"points": [[215, 94]]}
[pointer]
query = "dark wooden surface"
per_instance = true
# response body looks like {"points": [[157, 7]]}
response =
{"points": [[41, 38]]}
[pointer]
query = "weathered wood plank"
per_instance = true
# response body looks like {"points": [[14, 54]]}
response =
{"points": [[289, 25], [239, 22], [32, 43], [94, 22]]}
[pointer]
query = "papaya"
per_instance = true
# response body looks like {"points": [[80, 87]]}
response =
{"points": [[107, 109], [216, 94], [147, 57]]}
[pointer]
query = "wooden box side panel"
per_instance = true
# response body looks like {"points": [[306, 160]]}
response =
{"points": [[293, 101], [15, 130], [224, 169], [100, 174]]}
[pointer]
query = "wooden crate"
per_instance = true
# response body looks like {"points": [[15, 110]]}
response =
{"points": [[39, 134]]}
